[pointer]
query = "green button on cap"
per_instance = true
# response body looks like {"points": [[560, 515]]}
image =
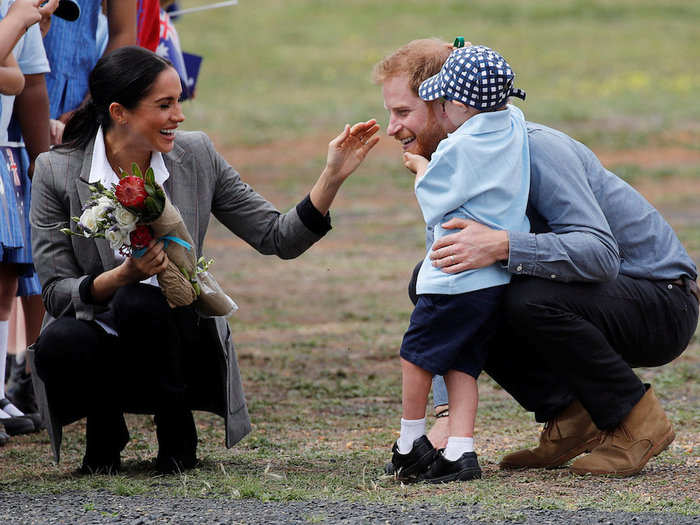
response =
{"points": [[459, 42]]}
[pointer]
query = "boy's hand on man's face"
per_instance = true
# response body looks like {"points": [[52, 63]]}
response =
{"points": [[415, 163]]}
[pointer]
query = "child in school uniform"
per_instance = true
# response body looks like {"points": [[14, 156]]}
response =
{"points": [[481, 171]]}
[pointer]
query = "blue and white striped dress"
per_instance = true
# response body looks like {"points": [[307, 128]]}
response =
{"points": [[15, 193], [11, 227]]}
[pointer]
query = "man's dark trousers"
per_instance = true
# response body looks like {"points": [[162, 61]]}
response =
{"points": [[566, 341]]}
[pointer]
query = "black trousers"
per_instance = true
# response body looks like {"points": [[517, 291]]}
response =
{"points": [[566, 341], [89, 373]]}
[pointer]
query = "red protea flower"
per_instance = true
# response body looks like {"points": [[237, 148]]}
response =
{"points": [[131, 192], [140, 236]]}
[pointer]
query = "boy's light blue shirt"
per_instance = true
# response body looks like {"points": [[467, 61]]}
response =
{"points": [[479, 172]]}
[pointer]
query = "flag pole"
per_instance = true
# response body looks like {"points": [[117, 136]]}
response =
{"points": [[203, 8]]}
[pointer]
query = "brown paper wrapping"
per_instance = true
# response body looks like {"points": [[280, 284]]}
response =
{"points": [[176, 287]]}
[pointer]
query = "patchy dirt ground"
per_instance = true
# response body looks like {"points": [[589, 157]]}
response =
{"points": [[317, 339], [336, 315]]}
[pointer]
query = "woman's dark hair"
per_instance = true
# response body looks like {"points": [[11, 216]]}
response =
{"points": [[126, 75]]}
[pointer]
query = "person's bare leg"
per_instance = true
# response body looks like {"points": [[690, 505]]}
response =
{"points": [[464, 400], [8, 291], [415, 389], [412, 454], [14, 338], [440, 430], [458, 462]]}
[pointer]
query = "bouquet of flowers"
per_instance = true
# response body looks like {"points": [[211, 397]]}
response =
{"points": [[130, 215]]}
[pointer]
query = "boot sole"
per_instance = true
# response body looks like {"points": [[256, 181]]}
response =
{"points": [[654, 451], [585, 447]]}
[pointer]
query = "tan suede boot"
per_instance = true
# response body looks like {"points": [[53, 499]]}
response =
{"points": [[645, 432], [566, 436]]}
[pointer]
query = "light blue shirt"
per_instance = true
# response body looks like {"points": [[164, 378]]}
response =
{"points": [[479, 172], [588, 225], [31, 58]]}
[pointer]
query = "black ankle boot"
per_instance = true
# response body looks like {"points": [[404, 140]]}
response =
{"points": [[20, 389], [177, 441], [106, 436]]}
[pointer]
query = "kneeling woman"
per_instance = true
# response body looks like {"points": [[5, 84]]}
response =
{"points": [[112, 344]]}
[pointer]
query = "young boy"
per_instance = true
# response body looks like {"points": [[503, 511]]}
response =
{"points": [[481, 171]]}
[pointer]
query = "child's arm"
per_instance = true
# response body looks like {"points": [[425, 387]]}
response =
{"points": [[11, 78], [21, 15], [416, 163], [32, 112]]}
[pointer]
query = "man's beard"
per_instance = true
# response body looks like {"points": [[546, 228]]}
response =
{"points": [[431, 136]]}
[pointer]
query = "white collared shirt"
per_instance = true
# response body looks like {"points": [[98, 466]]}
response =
{"points": [[101, 171]]}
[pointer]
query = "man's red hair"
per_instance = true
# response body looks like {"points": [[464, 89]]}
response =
{"points": [[419, 60]]}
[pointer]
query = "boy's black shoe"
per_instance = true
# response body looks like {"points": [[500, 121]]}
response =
{"points": [[443, 470], [407, 467]]}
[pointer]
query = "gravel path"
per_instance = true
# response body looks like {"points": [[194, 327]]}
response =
{"points": [[94, 508]]}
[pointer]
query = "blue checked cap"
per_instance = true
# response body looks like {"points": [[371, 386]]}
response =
{"points": [[476, 76]]}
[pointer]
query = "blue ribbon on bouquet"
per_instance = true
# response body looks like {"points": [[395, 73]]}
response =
{"points": [[166, 240]]}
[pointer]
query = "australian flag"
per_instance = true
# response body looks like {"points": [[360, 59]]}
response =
{"points": [[186, 64]]}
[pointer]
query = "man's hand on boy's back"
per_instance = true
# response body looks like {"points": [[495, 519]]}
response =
{"points": [[473, 245]]}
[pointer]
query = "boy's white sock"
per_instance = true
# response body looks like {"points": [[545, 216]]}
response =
{"points": [[9, 410], [411, 429], [456, 446]]}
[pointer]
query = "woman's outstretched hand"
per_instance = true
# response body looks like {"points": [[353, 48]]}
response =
{"points": [[349, 149], [345, 153]]}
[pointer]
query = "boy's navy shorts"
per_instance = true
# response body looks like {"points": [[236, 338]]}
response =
{"points": [[451, 332]]}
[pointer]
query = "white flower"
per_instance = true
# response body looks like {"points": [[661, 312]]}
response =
{"points": [[103, 206], [116, 237], [88, 219], [125, 218]]}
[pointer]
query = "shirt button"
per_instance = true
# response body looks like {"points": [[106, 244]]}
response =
{"points": [[670, 286], [553, 276], [519, 268]]}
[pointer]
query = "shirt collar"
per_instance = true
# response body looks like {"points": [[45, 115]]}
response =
{"points": [[101, 171], [489, 121]]}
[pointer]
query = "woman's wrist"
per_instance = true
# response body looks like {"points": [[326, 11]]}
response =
{"points": [[325, 190], [106, 284]]}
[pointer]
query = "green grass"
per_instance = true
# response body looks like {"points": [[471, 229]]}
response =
{"points": [[317, 337], [611, 72]]}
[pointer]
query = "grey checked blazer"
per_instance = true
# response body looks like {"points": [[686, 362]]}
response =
{"points": [[201, 182]]}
